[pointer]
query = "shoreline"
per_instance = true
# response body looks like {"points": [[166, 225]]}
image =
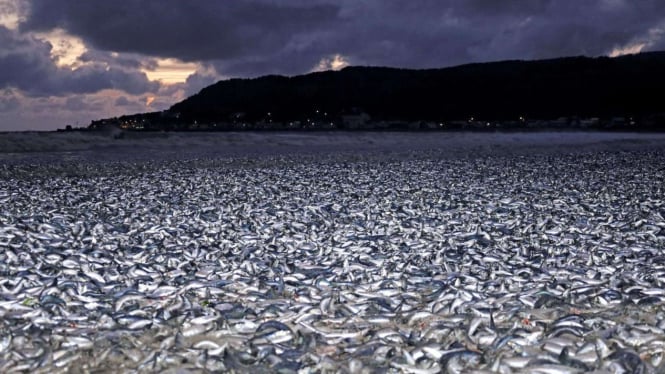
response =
{"points": [[243, 143]]}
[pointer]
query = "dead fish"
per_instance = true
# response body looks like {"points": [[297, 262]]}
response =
{"points": [[410, 263]]}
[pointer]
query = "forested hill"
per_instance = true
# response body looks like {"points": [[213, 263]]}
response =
{"points": [[577, 86]]}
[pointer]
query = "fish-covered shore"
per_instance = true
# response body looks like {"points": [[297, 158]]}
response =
{"points": [[488, 256]]}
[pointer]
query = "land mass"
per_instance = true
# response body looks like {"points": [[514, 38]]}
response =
{"points": [[622, 92]]}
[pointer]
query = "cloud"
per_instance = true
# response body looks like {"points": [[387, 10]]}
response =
{"points": [[80, 103], [191, 31], [130, 61], [9, 101], [335, 62], [199, 80], [444, 33], [11, 12], [26, 64], [75, 103], [122, 101], [20, 112], [256, 37]]}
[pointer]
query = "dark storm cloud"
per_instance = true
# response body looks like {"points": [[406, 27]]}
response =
{"points": [[439, 33], [247, 38], [196, 81], [26, 64], [563, 28], [127, 61], [191, 30]]}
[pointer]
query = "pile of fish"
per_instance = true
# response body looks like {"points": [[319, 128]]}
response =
{"points": [[419, 264]]}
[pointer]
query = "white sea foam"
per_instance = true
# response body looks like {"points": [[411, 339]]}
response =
{"points": [[288, 142]]}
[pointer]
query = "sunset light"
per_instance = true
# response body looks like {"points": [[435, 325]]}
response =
{"points": [[65, 48], [170, 71], [335, 62], [9, 14]]}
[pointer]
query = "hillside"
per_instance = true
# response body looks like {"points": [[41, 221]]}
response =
{"points": [[581, 87]]}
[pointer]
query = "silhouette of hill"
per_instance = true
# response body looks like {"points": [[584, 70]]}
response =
{"points": [[603, 87]]}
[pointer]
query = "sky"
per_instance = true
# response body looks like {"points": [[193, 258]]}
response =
{"points": [[67, 62]]}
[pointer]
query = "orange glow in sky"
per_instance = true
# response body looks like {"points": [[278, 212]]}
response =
{"points": [[9, 16], [631, 49], [171, 70], [335, 62], [66, 49]]}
